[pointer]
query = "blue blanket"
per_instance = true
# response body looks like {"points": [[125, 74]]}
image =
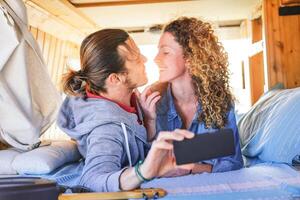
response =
{"points": [[261, 181]]}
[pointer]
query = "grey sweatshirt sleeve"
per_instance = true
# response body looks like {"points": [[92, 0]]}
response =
{"points": [[103, 168]]}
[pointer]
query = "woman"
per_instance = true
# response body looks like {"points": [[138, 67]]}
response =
{"points": [[101, 114], [197, 96]]}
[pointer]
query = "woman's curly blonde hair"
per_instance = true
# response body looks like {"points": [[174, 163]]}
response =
{"points": [[208, 67]]}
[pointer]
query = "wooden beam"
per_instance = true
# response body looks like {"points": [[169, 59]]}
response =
{"points": [[119, 3], [68, 13]]}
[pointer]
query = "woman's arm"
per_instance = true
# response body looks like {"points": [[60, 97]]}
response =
{"points": [[200, 168]]}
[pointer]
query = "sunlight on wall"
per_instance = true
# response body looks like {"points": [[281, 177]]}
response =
{"points": [[239, 73], [152, 71]]}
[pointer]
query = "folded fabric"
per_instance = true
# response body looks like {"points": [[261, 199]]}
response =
{"points": [[270, 130], [45, 159], [6, 158]]}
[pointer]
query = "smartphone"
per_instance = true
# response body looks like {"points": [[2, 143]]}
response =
{"points": [[204, 146]]}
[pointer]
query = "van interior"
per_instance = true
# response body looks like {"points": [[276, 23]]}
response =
{"points": [[262, 39]]}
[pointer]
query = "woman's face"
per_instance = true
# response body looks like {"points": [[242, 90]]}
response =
{"points": [[170, 59], [135, 65]]}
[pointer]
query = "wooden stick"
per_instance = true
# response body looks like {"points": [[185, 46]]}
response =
{"points": [[135, 194]]}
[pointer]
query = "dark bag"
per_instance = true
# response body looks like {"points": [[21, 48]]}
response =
{"points": [[17, 188]]}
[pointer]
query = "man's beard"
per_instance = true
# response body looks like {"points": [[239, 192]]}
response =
{"points": [[129, 84]]}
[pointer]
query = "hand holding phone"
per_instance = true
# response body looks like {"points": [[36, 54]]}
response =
{"points": [[204, 147]]}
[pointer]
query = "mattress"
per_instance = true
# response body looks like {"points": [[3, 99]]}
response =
{"points": [[261, 181]]}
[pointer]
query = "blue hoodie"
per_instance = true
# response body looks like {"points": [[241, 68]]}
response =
{"points": [[109, 138]]}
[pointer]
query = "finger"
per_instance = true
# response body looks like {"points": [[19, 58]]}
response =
{"points": [[172, 154], [151, 97], [152, 106], [185, 133], [166, 135], [186, 166], [146, 92], [162, 145], [154, 101]]}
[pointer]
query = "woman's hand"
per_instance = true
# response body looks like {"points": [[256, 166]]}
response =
{"points": [[148, 100], [160, 160]]}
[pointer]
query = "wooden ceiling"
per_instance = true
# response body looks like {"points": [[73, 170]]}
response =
{"points": [[98, 3], [81, 17]]}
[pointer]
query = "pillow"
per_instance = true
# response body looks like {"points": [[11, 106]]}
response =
{"points": [[270, 131], [252, 121], [45, 159], [7, 156]]}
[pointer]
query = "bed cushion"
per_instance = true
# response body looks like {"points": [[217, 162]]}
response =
{"points": [[6, 158], [270, 131], [45, 159]]}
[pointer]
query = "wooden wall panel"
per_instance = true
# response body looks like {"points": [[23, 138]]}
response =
{"points": [[56, 53], [40, 39], [256, 61], [51, 55], [256, 30], [282, 38], [46, 48], [57, 56], [68, 50], [60, 64], [34, 32], [256, 65], [273, 43], [292, 50]]}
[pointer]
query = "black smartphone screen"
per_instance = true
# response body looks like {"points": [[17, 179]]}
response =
{"points": [[204, 146]]}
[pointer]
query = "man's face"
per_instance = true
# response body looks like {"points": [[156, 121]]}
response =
{"points": [[135, 65]]}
